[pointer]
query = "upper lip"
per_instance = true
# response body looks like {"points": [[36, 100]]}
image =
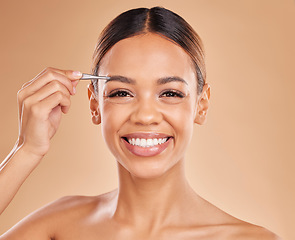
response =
{"points": [[146, 135]]}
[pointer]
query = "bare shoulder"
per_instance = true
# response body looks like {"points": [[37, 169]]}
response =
{"points": [[224, 226], [247, 231], [47, 221]]}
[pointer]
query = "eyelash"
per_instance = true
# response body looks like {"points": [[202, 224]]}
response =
{"points": [[118, 92], [174, 93], [168, 93]]}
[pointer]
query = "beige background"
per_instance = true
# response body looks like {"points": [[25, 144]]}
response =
{"points": [[242, 160]]}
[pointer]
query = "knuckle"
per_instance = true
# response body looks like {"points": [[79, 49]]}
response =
{"points": [[35, 110], [56, 84], [22, 91], [24, 85], [26, 103], [48, 69], [59, 95], [61, 87], [20, 94], [51, 74]]}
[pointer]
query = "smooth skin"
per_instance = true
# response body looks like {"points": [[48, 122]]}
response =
{"points": [[154, 199]]}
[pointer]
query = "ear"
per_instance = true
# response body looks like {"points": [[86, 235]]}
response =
{"points": [[94, 106], [203, 105]]}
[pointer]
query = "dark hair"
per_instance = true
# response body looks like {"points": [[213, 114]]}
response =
{"points": [[156, 20]]}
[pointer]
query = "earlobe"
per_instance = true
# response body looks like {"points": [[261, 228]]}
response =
{"points": [[94, 106], [96, 118], [203, 105]]}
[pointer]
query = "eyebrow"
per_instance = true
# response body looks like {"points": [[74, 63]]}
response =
{"points": [[160, 81], [170, 79], [120, 79]]}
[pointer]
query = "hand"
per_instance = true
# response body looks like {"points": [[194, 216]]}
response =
{"points": [[41, 103]]}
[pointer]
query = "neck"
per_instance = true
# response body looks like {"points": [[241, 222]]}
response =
{"points": [[153, 201]]}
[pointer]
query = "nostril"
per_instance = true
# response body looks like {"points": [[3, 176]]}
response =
{"points": [[147, 116]]}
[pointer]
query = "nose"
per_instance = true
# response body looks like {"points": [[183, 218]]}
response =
{"points": [[146, 112]]}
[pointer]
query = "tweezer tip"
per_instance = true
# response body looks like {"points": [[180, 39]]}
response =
{"points": [[86, 76]]}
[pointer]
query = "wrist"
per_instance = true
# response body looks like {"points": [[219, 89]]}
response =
{"points": [[28, 154]]}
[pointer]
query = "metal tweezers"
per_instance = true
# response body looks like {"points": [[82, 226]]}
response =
{"points": [[86, 76]]}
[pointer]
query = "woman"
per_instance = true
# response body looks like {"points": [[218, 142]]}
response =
{"points": [[155, 93]]}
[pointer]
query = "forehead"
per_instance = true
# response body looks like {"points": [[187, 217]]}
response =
{"points": [[147, 55]]}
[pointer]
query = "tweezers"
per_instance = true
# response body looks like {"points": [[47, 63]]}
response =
{"points": [[86, 76]]}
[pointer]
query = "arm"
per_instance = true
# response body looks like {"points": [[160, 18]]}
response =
{"points": [[41, 103], [13, 172]]}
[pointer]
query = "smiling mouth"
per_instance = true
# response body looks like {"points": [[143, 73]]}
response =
{"points": [[146, 142]]}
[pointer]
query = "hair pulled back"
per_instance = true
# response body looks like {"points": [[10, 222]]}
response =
{"points": [[156, 20]]}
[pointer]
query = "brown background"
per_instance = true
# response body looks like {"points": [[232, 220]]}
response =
{"points": [[242, 160]]}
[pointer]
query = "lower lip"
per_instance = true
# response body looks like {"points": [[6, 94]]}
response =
{"points": [[146, 151]]}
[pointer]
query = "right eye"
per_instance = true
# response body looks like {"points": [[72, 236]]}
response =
{"points": [[119, 93]]}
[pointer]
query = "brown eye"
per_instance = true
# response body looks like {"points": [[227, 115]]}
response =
{"points": [[172, 93], [119, 93], [119, 96]]}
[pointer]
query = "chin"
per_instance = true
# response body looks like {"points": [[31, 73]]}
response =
{"points": [[148, 168]]}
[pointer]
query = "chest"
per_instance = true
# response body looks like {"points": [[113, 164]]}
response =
{"points": [[107, 231]]}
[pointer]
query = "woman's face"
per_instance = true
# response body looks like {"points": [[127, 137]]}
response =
{"points": [[149, 105]]}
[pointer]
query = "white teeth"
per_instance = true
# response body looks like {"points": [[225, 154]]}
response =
{"points": [[142, 142], [149, 142]]}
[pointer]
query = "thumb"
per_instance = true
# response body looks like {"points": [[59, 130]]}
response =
{"points": [[73, 75]]}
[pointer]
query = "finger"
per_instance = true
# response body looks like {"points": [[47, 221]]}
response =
{"points": [[44, 79], [67, 77], [44, 107], [71, 74], [57, 99], [41, 110], [34, 87], [32, 108], [26, 84], [51, 88], [47, 90], [74, 76]]}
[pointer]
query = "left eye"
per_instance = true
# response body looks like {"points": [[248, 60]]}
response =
{"points": [[173, 93], [119, 93]]}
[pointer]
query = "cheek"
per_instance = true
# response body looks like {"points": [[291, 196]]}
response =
{"points": [[112, 118], [109, 126], [180, 113], [181, 118]]}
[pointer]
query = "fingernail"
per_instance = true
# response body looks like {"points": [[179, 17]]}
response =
{"points": [[74, 90], [77, 74]]}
